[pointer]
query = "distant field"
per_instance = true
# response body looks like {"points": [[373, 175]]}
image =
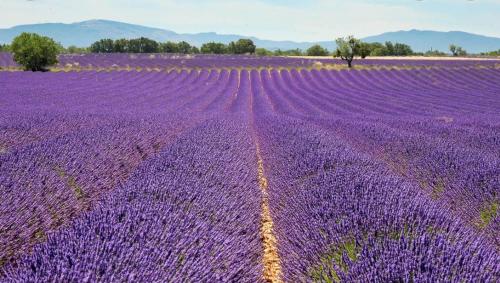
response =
{"points": [[155, 168], [162, 61]]}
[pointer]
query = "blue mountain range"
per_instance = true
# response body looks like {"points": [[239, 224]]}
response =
{"points": [[86, 32]]}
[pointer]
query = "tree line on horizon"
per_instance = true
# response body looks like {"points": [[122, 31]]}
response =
{"points": [[246, 46], [146, 45], [36, 52]]}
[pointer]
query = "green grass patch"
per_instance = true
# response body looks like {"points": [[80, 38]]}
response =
{"points": [[324, 270], [438, 189], [70, 182], [488, 213]]}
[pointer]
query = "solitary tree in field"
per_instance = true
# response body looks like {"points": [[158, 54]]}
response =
{"points": [[457, 50], [34, 52], [347, 49], [317, 50]]}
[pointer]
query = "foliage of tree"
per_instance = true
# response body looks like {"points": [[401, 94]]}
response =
{"points": [[495, 53], [184, 47], [60, 48], [194, 50], [242, 46], [4, 48], [76, 50], [142, 45], [317, 50], [387, 49], [34, 52], [263, 52], [401, 49], [214, 48], [290, 52], [136, 45], [434, 53], [350, 47], [364, 49], [102, 46], [347, 49], [169, 47], [457, 50], [121, 45], [376, 49]]}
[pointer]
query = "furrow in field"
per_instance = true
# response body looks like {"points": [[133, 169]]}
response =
{"points": [[270, 259]]}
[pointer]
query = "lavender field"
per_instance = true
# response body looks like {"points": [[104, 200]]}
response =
{"points": [[248, 169]]}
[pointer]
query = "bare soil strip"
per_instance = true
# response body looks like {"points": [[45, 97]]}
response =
{"points": [[271, 261]]}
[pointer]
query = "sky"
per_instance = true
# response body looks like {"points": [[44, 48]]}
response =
{"points": [[312, 20]]}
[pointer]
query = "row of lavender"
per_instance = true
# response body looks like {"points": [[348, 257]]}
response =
{"points": [[372, 174], [192, 211], [226, 61], [425, 94], [341, 215], [405, 192]]}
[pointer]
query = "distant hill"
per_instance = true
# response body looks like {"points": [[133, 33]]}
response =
{"points": [[423, 40], [87, 32]]}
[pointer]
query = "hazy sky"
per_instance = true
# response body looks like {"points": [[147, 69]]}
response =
{"points": [[269, 19]]}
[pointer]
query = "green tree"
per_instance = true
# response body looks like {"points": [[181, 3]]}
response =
{"points": [[457, 50], [4, 48], [184, 47], [121, 45], [263, 52], [377, 49], [401, 49], [317, 50], [290, 52], [495, 53], [60, 48], [347, 49], [76, 50], [194, 50], [102, 46], [364, 49], [142, 45], [169, 47], [242, 46], [389, 47], [34, 52], [294, 52], [213, 48], [434, 53]]}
